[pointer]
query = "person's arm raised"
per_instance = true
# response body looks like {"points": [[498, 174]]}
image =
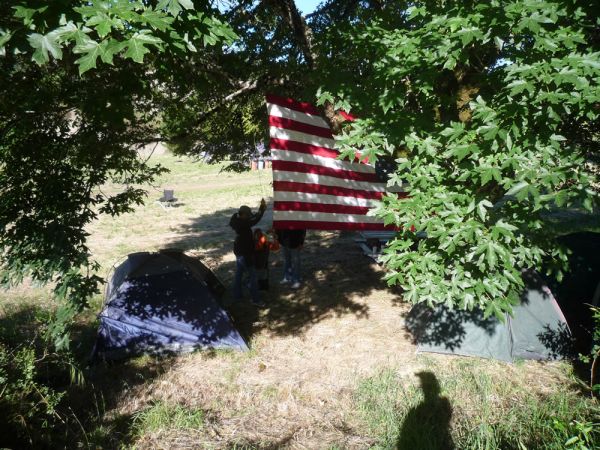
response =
{"points": [[261, 210]]}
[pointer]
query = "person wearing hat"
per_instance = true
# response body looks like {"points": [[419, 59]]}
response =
{"points": [[243, 247]]}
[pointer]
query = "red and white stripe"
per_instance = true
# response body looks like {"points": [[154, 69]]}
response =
{"points": [[312, 188]]}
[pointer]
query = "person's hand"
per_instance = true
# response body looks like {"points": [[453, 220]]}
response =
{"points": [[263, 205]]}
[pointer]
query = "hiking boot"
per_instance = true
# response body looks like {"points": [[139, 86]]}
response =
{"points": [[296, 285]]}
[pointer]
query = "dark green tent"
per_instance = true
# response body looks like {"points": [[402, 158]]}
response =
{"points": [[536, 330]]}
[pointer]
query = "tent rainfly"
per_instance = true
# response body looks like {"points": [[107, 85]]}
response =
{"points": [[163, 302], [536, 330]]}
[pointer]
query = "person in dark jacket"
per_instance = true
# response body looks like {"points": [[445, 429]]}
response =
{"points": [[243, 247], [292, 242]]}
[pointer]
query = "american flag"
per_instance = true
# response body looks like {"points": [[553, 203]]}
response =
{"points": [[312, 188]]}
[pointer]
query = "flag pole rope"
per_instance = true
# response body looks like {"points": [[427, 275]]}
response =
{"points": [[260, 180]]}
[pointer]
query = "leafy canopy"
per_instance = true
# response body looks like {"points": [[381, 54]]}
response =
{"points": [[482, 105], [105, 28], [82, 88]]}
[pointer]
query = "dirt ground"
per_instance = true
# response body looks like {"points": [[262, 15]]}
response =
{"points": [[308, 349]]}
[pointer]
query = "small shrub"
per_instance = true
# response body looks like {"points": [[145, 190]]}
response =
{"points": [[594, 356], [583, 435], [27, 406], [34, 379]]}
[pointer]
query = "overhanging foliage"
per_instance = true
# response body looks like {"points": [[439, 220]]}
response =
{"points": [[483, 105]]}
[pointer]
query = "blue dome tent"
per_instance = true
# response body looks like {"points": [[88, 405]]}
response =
{"points": [[164, 302]]}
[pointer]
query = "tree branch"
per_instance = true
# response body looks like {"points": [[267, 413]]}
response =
{"points": [[302, 32]]}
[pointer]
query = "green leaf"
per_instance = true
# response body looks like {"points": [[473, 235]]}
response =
{"points": [[102, 22], [174, 7], [91, 50], [44, 45], [189, 43], [509, 142], [499, 42], [450, 63], [136, 45], [518, 86], [517, 188], [571, 441], [481, 209], [505, 226], [209, 39], [558, 138], [462, 150], [22, 12], [157, 19], [488, 132], [5, 36], [491, 257], [187, 4]]}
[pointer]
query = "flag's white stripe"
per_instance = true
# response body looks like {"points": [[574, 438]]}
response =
{"points": [[288, 155], [305, 197], [297, 136], [313, 178], [281, 111], [324, 217]]}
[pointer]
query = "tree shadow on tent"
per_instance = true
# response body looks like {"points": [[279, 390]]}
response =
{"points": [[336, 276], [427, 425], [447, 328], [442, 326], [162, 306]]}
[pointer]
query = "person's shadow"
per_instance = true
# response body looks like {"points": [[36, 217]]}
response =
{"points": [[427, 425]]}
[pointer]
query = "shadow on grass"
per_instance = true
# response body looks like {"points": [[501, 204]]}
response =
{"points": [[427, 425], [336, 276]]}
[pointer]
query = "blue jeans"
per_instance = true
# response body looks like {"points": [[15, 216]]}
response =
{"points": [[291, 264], [243, 264]]}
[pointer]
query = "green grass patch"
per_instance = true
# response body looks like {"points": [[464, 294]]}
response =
{"points": [[161, 416], [470, 408]]}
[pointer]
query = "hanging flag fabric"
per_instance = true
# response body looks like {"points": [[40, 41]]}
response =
{"points": [[312, 188]]}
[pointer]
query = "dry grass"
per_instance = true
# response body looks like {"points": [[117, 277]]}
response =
{"points": [[310, 348]]}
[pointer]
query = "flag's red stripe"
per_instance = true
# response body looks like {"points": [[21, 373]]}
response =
{"points": [[293, 166], [292, 104], [284, 144], [317, 225], [289, 124], [319, 207], [311, 188], [300, 147], [347, 116]]}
